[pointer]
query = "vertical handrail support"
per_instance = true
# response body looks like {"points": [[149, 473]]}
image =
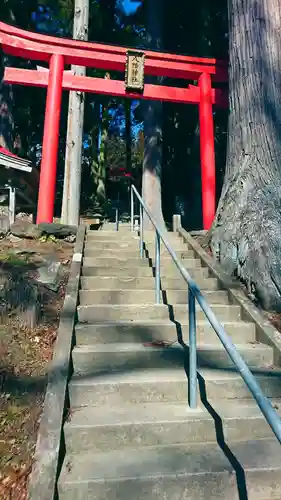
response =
{"points": [[141, 233], [192, 379], [157, 267]]}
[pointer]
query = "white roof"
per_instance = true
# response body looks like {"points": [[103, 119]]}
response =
{"points": [[9, 160]]}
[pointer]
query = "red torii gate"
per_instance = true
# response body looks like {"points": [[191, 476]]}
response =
{"points": [[59, 52]]}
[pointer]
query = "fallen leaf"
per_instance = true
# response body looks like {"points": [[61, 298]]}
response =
{"points": [[159, 343]]}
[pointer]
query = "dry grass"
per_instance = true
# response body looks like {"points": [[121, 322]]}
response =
{"points": [[24, 356]]}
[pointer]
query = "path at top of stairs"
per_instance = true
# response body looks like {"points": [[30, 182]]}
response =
{"points": [[131, 434]]}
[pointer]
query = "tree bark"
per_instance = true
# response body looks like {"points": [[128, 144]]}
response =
{"points": [[246, 234], [152, 162], [6, 109], [74, 140], [102, 163], [128, 127]]}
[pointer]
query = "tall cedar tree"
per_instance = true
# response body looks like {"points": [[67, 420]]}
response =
{"points": [[245, 237]]}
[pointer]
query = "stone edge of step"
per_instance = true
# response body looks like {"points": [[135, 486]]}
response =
{"points": [[46, 457], [196, 460], [127, 347], [163, 412], [266, 332]]}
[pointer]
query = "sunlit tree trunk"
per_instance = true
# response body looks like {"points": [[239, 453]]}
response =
{"points": [[246, 235], [152, 162], [74, 139]]}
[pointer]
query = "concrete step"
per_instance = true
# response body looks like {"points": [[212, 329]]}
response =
{"points": [[118, 236], [111, 235], [98, 313], [169, 271], [134, 241], [132, 283], [104, 428], [98, 244], [149, 331], [90, 359], [228, 384], [197, 471], [169, 236], [143, 271], [133, 245], [131, 253], [92, 297], [167, 385], [133, 262], [177, 246], [182, 255], [122, 227], [179, 296], [116, 261], [172, 241]]}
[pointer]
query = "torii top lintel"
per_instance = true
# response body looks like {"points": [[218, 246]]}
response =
{"points": [[39, 47]]}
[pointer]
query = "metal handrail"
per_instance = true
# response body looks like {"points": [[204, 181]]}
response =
{"points": [[194, 294]]}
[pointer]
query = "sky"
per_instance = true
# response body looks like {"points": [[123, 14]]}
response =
{"points": [[130, 6]]}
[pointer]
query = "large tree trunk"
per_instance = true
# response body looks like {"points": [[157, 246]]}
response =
{"points": [[101, 173], [152, 162], [128, 126], [246, 235], [99, 150], [6, 109]]}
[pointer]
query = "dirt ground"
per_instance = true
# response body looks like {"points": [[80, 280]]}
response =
{"points": [[24, 355]]}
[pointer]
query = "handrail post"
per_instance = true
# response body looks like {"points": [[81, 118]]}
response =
{"points": [[132, 209], [157, 267], [141, 231], [117, 213], [192, 378]]}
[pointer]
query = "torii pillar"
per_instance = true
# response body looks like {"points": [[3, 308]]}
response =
{"points": [[207, 151], [48, 171]]}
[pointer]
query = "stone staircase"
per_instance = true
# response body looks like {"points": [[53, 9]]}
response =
{"points": [[130, 434]]}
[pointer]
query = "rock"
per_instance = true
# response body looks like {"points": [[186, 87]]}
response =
{"points": [[57, 230], [24, 229], [4, 198], [13, 239], [65, 262], [4, 225], [20, 300], [26, 251], [71, 238], [49, 275], [25, 216], [22, 216]]}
